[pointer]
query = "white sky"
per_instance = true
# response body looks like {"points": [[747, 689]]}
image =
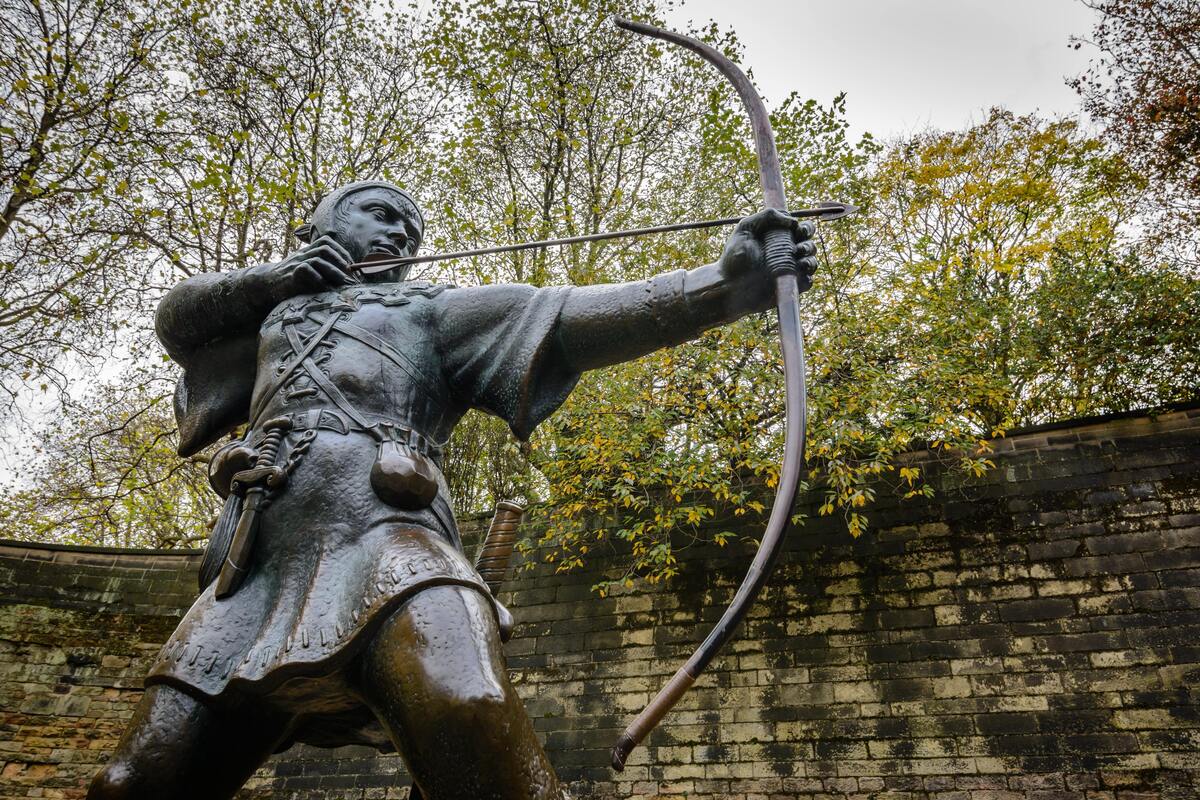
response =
{"points": [[909, 64]]}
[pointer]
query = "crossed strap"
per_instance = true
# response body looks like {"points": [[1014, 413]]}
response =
{"points": [[304, 350]]}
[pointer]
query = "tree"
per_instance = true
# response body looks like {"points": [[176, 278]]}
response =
{"points": [[108, 474], [270, 104], [654, 452], [1145, 87], [79, 85], [141, 145], [985, 285], [283, 100], [562, 126], [1002, 248]]}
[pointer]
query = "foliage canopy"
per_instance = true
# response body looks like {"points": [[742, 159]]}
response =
{"points": [[1142, 85]]}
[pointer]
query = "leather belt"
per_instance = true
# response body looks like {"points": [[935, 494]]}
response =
{"points": [[381, 428]]}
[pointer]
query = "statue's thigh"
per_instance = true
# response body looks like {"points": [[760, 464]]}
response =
{"points": [[435, 677], [177, 747], [441, 647]]}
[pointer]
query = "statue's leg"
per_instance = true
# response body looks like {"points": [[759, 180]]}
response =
{"points": [[435, 677], [177, 747]]}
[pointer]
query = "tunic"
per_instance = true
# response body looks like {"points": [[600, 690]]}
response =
{"points": [[331, 560]]}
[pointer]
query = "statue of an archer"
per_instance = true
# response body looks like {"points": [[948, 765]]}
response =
{"points": [[337, 605]]}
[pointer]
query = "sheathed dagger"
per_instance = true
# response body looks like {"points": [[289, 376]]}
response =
{"points": [[779, 251], [256, 486]]}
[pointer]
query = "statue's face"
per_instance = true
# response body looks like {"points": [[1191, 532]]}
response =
{"points": [[377, 222]]}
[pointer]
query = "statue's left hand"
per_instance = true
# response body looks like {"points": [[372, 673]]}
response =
{"points": [[743, 263]]}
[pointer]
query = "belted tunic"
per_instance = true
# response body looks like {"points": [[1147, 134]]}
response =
{"points": [[331, 559], [342, 372]]}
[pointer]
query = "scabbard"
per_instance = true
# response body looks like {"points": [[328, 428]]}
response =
{"points": [[253, 484], [219, 541], [237, 563]]}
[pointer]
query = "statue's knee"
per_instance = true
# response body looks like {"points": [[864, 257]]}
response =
{"points": [[474, 711], [484, 698], [114, 782]]}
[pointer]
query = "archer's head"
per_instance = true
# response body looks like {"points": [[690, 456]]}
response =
{"points": [[369, 218]]}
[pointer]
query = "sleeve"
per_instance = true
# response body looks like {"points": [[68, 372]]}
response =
{"points": [[213, 394], [502, 353], [209, 326], [209, 307]]}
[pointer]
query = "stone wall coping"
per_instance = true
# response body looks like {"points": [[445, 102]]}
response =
{"points": [[69, 553], [1172, 410]]}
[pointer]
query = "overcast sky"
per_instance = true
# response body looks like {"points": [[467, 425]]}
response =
{"points": [[909, 64]]}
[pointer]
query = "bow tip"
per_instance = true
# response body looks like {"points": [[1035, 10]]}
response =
{"points": [[621, 750]]}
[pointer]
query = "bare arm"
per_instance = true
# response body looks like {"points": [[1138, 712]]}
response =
{"points": [[218, 305], [611, 323]]}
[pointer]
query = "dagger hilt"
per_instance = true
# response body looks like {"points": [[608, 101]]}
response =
{"points": [[264, 474]]}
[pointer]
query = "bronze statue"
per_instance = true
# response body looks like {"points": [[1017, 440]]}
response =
{"points": [[358, 618], [337, 606]]}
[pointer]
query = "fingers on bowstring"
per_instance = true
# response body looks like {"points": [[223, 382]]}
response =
{"points": [[330, 250], [322, 274], [342, 252], [328, 244], [334, 272]]}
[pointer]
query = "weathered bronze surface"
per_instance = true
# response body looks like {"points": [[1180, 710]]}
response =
{"points": [[337, 605]]}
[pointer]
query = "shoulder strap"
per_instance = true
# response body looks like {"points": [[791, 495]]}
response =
{"points": [[386, 350], [302, 353]]}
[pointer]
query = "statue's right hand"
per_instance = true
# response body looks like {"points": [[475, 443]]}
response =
{"points": [[321, 265]]}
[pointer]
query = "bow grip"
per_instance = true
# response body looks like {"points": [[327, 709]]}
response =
{"points": [[780, 250]]}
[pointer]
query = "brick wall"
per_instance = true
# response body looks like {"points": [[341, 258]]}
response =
{"points": [[1033, 635], [78, 629]]}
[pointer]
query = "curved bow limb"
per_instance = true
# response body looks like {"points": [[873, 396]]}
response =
{"points": [[779, 247]]}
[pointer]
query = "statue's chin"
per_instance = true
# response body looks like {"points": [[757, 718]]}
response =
{"points": [[390, 276]]}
